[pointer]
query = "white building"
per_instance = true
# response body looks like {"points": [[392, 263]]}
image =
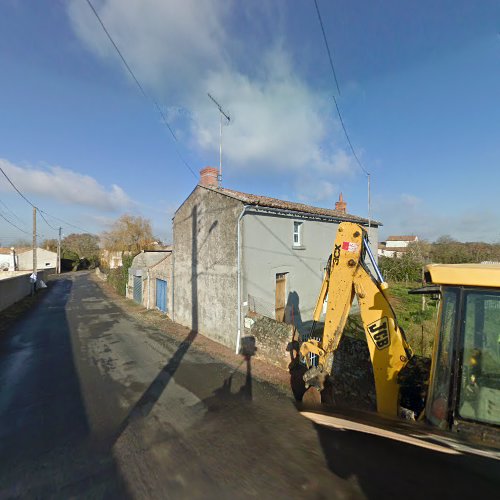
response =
{"points": [[395, 246], [44, 260]]}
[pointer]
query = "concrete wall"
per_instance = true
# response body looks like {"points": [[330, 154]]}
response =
{"points": [[45, 259], [16, 285], [267, 249], [205, 265]]}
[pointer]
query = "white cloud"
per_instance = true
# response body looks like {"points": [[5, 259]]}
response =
{"points": [[66, 186], [408, 214], [184, 48], [169, 44]]}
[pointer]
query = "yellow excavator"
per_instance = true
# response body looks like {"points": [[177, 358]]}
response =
{"points": [[463, 390]]}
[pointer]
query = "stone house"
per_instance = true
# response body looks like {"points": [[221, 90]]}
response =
{"points": [[237, 252], [149, 280]]}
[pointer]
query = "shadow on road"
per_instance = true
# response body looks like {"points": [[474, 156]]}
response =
{"points": [[385, 468], [245, 393], [44, 427], [149, 398]]}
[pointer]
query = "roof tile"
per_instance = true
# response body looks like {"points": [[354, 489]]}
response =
{"points": [[264, 201]]}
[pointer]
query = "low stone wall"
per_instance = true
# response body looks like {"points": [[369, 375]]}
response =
{"points": [[16, 286], [102, 276], [271, 338], [351, 383]]}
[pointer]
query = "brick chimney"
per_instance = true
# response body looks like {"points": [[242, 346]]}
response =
{"points": [[209, 177], [341, 205]]}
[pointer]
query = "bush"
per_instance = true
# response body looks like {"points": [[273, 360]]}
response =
{"points": [[404, 268], [118, 278]]}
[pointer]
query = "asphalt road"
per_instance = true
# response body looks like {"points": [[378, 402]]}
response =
{"points": [[94, 404]]}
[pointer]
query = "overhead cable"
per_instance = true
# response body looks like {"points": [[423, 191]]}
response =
{"points": [[26, 199], [12, 224], [338, 89], [327, 46], [141, 88]]}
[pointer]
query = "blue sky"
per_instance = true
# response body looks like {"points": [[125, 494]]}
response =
{"points": [[420, 95]]}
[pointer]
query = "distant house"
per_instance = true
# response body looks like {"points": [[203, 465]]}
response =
{"points": [[236, 252], [112, 259], [395, 246], [45, 259], [149, 280]]}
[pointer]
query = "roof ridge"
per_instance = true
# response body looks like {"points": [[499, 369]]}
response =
{"points": [[267, 201]]}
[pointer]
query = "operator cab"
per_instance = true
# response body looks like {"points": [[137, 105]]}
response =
{"points": [[464, 388]]}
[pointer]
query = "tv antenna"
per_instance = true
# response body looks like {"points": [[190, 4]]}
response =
{"points": [[223, 114]]}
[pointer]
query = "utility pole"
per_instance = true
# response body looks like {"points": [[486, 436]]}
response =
{"points": [[227, 117], [59, 253], [33, 276]]}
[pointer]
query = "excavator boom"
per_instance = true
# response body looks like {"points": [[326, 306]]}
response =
{"points": [[347, 275]]}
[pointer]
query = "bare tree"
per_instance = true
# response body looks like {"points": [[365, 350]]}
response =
{"points": [[128, 233]]}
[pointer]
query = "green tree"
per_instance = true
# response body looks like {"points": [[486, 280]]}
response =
{"points": [[85, 245]]}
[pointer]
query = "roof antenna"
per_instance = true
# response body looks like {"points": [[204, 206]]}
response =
{"points": [[228, 118]]}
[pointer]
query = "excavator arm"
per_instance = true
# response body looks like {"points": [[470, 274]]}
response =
{"points": [[347, 276]]}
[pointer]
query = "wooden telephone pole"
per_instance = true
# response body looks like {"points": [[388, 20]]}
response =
{"points": [[33, 276], [59, 253]]}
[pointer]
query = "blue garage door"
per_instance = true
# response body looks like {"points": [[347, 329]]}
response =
{"points": [[161, 295], [138, 289]]}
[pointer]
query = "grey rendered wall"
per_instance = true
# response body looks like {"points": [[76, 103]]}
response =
{"points": [[267, 250], [205, 265]]}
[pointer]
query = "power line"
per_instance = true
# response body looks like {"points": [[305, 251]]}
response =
{"points": [[141, 88], [40, 211], [348, 138], [338, 89], [340, 114], [12, 212], [26, 199], [67, 223], [12, 224], [327, 46]]}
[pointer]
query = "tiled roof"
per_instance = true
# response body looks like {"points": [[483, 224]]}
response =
{"points": [[264, 201], [402, 238]]}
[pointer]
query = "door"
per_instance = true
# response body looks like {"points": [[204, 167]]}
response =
{"points": [[138, 289], [280, 296], [161, 295]]}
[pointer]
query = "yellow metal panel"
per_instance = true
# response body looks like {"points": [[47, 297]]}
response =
{"points": [[487, 275]]}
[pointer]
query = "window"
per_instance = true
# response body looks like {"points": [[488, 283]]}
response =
{"points": [[480, 382], [439, 396], [297, 233]]}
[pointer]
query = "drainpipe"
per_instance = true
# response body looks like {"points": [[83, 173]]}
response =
{"points": [[149, 291], [238, 337]]}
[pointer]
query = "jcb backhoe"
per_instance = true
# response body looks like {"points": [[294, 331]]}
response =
{"points": [[463, 394]]}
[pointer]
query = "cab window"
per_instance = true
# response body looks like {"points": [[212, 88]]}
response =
{"points": [[439, 398], [479, 397]]}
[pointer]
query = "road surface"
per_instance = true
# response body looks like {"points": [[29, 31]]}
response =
{"points": [[95, 404]]}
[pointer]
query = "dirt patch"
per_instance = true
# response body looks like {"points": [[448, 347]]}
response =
{"points": [[261, 370]]}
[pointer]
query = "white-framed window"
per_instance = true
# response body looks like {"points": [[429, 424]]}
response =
{"points": [[297, 233]]}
